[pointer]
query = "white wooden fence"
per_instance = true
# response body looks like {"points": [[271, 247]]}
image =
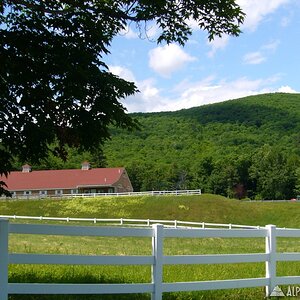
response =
{"points": [[157, 260], [132, 222], [92, 195]]}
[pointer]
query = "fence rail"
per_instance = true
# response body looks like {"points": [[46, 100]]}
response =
{"points": [[157, 260], [92, 195], [132, 222]]}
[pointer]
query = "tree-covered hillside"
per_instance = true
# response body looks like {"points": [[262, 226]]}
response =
{"points": [[248, 147]]}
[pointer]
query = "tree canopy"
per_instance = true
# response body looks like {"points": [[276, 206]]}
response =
{"points": [[54, 84], [243, 148]]}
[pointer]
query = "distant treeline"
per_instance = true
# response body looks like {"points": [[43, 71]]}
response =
{"points": [[248, 147]]}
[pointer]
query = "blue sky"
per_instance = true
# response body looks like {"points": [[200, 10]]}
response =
{"points": [[265, 58]]}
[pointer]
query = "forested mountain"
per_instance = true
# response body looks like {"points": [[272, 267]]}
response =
{"points": [[249, 147], [240, 148]]}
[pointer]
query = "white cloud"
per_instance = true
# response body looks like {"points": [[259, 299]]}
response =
{"points": [[253, 58], [217, 43], [168, 59], [193, 24], [210, 91], [213, 92], [286, 89], [273, 45], [122, 72], [187, 94], [148, 94], [148, 90], [256, 10], [258, 57], [148, 97], [129, 33], [152, 31]]}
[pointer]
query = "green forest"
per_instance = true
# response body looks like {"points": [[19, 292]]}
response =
{"points": [[243, 148]]}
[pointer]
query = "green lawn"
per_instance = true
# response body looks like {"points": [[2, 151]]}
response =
{"points": [[206, 208]]}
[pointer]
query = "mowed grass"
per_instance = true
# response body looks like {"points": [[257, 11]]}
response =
{"points": [[206, 208]]}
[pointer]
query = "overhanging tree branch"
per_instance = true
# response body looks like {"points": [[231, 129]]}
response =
{"points": [[53, 84]]}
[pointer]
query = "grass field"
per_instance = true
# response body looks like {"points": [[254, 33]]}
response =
{"points": [[208, 208]]}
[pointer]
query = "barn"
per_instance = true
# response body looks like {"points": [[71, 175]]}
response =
{"points": [[69, 181]]}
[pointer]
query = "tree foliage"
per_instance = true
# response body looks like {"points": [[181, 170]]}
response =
{"points": [[244, 148], [241, 148], [54, 84]]}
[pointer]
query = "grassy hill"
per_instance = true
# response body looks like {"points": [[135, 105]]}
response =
{"points": [[208, 208], [248, 147], [204, 208]]}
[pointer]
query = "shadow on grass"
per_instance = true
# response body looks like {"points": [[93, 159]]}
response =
{"points": [[30, 277], [68, 278], [80, 297]]}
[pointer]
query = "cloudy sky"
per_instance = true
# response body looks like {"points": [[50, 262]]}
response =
{"points": [[264, 58]]}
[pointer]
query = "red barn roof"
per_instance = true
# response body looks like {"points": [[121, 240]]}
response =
{"points": [[62, 179]]}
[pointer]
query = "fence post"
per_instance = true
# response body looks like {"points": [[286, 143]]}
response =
{"points": [[3, 259], [271, 262], [157, 267]]}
